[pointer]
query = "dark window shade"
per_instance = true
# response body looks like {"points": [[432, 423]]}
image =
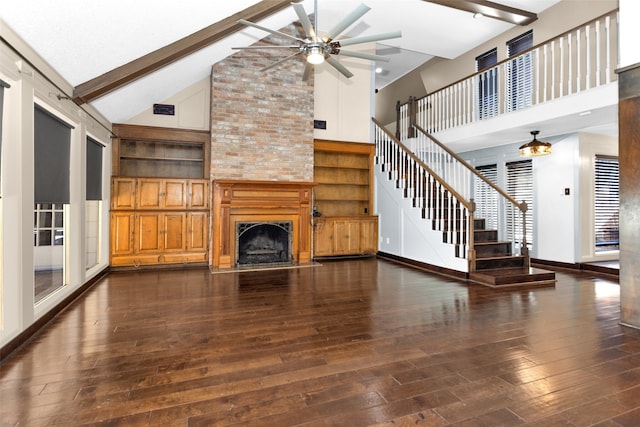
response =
{"points": [[94, 169], [52, 141], [607, 203], [520, 43], [520, 187], [487, 59]]}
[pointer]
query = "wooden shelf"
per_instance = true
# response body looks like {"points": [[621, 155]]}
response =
{"points": [[160, 152], [343, 178], [161, 159]]}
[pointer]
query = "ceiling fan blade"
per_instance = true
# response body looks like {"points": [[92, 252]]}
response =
{"points": [[266, 47], [371, 38], [304, 20], [338, 66], [363, 55], [307, 71], [347, 21], [269, 30], [268, 67]]}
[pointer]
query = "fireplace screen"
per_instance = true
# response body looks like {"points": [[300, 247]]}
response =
{"points": [[261, 243]]}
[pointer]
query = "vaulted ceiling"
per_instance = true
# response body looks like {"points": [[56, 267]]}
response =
{"points": [[122, 56]]}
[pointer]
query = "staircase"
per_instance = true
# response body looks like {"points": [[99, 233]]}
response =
{"points": [[438, 183], [495, 265]]}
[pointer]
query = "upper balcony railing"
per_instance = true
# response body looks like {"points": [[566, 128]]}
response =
{"points": [[575, 61]]}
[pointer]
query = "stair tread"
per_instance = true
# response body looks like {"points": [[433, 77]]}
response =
{"points": [[502, 277], [498, 257], [492, 242]]}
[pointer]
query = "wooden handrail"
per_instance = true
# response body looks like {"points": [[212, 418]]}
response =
{"points": [[467, 203], [522, 207]]}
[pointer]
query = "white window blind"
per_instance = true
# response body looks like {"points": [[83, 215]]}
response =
{"points": [[520, 187], [486, 197], [519, 73], [607, 203]]}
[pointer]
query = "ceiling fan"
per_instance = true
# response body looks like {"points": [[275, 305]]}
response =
{"points": [[317, 49]]}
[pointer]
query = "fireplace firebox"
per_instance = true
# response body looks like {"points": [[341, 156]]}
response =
{"points": [[260, 243]]}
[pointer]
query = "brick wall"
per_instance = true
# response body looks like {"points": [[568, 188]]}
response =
{"points": [[261, 121]]}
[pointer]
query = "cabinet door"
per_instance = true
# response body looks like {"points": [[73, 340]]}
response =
{"points": [[198, 194], [148, 227], [123, 193], [173, 232], [347, 237], [122, 225], [323, 237], [148, 196], [197, 231], [369, 236], [174, 194]]}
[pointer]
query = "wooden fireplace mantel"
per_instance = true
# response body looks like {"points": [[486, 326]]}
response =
{"points": [[242, 201]]}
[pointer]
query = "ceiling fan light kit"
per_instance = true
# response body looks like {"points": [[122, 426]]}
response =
{"points": [[317, 50]]}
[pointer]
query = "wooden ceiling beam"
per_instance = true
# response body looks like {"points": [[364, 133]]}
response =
{"points": [[125, 74], [490, 9]]}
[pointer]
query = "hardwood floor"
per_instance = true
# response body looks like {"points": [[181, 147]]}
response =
{"points": [[347, 343]]}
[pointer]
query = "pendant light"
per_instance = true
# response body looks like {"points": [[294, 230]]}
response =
{"points": [[535, 147]]}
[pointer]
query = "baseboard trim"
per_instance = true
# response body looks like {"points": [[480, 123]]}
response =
{"points": [[32, 331], [447, 272]]}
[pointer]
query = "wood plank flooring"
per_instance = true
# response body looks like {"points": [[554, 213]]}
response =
{"points": [[348, 343]]}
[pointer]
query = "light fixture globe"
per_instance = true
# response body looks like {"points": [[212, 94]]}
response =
{"points": [[535, 147], [315, 55]]}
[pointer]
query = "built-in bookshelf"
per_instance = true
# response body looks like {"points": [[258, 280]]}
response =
{"points": [[343, 178], [160, 152]]}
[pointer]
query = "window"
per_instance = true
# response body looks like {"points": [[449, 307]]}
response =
{"points": [[486, 197], [607, 204], [93, 202], [520, 187], [48, 224], [519, 72], [52, 142], [3, 85], [487, 84]]}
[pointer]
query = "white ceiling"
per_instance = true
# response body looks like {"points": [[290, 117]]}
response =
{"points": [[83, 39]]}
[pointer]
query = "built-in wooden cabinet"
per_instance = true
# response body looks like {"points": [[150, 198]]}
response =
{"points": [[159, 221], [343, 199], [159, 196], [335, 236]]}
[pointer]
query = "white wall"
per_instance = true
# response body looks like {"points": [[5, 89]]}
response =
{"points": [[192, 109], [403, 232], [555, 214], [344, 103], [629, 32], [29, 85], [562, 224]]}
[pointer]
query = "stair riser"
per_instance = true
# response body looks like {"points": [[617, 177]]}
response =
{"points": [[495, 249], [512, 262], [485, 235]]}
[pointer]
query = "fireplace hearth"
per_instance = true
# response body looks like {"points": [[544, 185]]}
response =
{"points": [[260, 243]]}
